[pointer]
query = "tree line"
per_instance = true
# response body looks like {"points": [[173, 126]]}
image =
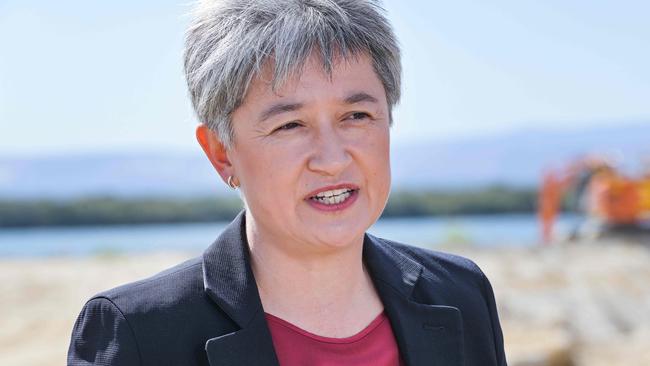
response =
{"points": [[120, 211]]}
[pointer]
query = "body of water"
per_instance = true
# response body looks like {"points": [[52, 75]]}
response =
{"points": [[480, 230]]}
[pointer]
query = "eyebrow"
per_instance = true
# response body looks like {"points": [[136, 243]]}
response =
{"points": [[280, 108], [360, 97]]}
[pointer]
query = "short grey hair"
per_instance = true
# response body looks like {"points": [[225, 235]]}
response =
{"points": [[229, 41]]}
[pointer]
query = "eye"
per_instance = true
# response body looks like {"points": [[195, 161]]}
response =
{"points": [[358, 115], [287, 126]]}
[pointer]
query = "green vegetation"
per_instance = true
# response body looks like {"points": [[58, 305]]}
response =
{"points": [[490, 200], [114, 211]]}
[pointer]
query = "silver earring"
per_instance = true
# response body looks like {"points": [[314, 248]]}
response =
{"points": [[231, 182]]}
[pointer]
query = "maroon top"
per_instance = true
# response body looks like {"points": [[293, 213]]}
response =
{"points": [[375, 345]]}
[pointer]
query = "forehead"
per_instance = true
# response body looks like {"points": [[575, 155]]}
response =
{"points": [[311, 81]]}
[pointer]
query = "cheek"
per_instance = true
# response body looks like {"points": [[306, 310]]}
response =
{"points": [[377, 153], [269, 175], [381, 152]]}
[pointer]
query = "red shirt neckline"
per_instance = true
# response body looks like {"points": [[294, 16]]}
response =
{"points": [[351, 339]]}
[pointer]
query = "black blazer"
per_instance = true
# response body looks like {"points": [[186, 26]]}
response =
{"points": [[207, 311]]}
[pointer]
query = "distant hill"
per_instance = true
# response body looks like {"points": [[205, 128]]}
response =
{"points": [[514, 159], [517, 158], [112, 174]]}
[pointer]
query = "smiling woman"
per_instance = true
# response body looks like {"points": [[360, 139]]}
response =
{"points": [[295, 100], [309, 138]]}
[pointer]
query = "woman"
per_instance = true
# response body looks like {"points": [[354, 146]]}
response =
{"points": [[295, 97]]}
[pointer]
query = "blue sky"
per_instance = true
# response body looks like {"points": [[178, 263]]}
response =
{"points": [[80, 76]]}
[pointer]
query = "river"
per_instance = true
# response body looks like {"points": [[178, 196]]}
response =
{"points": [[480, 230]]}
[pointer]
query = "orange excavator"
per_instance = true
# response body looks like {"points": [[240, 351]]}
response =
{"points": [[613, 200]]}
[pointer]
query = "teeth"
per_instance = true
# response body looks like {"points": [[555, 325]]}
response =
{"points": [[333, 199], [334, 192]]}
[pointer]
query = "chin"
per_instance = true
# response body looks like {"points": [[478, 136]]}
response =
{"points": [[340, 237]]}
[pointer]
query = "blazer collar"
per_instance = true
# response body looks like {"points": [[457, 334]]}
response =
{"points": [[227, 274], [426, 334]]}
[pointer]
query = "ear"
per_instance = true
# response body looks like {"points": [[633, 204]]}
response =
{"points": [[215, 151]]}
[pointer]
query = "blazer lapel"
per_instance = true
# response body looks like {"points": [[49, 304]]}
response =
{"points": [[251, 345], [427, 334], [229, 281]]}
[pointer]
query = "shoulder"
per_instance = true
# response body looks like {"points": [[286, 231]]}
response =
{"points": [[102, 336], [165, 288], [164, 301], [444, 278], [453, 280], [141, 322], [435, 263]]}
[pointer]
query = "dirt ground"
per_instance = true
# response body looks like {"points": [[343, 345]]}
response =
{"points": [[579, 304]]}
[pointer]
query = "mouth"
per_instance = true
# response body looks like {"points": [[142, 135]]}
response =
{"points": [[333, 195]]}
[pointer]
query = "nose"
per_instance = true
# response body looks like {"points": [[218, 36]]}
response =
{"points": [[330, 155]]}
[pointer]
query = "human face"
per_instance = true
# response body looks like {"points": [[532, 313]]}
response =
{"points": [[314, 134]]}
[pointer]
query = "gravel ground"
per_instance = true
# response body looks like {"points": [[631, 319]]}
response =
{"points": [[566, 304]]}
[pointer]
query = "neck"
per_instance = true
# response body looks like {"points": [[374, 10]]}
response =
{"points": [[331, 284]]}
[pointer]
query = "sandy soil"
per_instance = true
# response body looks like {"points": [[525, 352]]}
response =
{"points": [[580, 304]]}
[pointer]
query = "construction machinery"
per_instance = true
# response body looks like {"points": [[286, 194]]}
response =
{"points": [[610, 200]]}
